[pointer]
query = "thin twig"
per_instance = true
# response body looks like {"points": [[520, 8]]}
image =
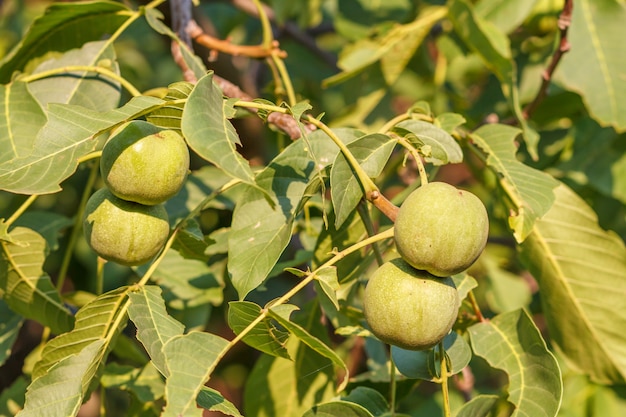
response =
{"points": [[284, 122], [252, 51], [565, 19]]}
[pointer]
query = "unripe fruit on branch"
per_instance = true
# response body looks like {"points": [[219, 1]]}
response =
{"points": [[441, 229], [122, 231], [409, 308], [144, 164]]}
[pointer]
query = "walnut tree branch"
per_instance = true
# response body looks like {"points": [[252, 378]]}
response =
{"points": [[565, 19]]}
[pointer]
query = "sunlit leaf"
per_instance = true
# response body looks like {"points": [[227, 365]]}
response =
{"points": [[210, 134], [21, 117], [449, 121], [593, 67], [25, 287], [61, 391], [393, 50], [86, 89], [580, 269], [511, 342], [264, 336], [101, 319], [68, 135], [191, 359], [505, 15], [464, 284], [328, 282], [442, 147], [87, 21], [155, 327], [371, 152], [529, 190]]}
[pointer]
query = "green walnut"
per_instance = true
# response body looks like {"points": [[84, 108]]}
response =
{"points": [[409, 308], [441, 229], [142, 163], [122, 231]]}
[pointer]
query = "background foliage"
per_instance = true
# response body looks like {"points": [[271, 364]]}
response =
{"points": [[299, 115]]}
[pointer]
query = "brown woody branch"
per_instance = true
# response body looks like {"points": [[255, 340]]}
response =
{"points": [[284, 122], [219, 45], [565, 19]]}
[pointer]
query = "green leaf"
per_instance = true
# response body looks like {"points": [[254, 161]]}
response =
{"points": [[260, 232], [155, 327], [595, 36], [277, 387], [580, 269], [101, 319], [393, 50], [9, 328], [61, 391], [47, 223], [199, 185], [504, 290], [494, 48], [210, 134], [425, 364], [529, 190], [437, 145], [25, 287], [189, 282], [328, 283], [372, 153], [264, 336], [212, 400], [332, 239], [68, 135], [314, 343], [86, 89], [464, 284], [338, 409], [369, 398], [449, 121], [20, 120], [12, 397], [86, 21], [145, 383], [485, 39], [505, 15], [190, 359], [170, 116], [154, 17], [511, 342], [479, 406]]}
